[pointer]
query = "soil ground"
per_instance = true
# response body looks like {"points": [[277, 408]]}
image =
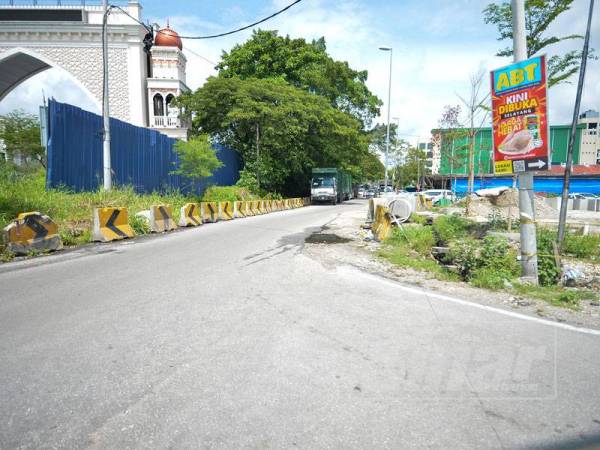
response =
{"points": [[352, 247]]}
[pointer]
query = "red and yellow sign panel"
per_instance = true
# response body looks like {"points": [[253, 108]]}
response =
{"points": [[520, 117]]}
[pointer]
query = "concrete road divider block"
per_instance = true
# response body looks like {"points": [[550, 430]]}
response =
{"points": [[239, 209], [226, 210], [161, 218], [256, 207], [190, 215], [268, 206], [111, 224], [382, 226], [306, 201], [209, 211], [248, 208], [422, 203], [31, 231], [286, 204], [274, 206]]}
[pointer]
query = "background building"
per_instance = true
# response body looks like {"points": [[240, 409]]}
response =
{"points": [[452, 146], [589, 153]]}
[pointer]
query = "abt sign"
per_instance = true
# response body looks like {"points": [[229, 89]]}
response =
{"points": [[520, 117]]}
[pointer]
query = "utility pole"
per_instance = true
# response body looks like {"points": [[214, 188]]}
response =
{"points": [[529, 263], [569, 166], [258, 155], [105, 110], [387, 135]]}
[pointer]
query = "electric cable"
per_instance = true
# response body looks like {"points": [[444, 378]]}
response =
{"points": [[212, 36]]}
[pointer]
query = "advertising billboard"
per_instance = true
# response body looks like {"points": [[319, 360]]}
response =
{"points": [[520, 117]]}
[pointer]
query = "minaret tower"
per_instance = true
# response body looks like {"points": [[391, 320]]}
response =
{"points": [[165, 82]]}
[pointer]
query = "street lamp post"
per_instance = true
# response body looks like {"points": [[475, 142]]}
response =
{"points": [[387, 136]]}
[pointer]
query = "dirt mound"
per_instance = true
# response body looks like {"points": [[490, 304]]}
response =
{"points": [[508, 203]]}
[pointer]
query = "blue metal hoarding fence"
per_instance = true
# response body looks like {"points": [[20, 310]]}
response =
{"points": [[140, 157]]}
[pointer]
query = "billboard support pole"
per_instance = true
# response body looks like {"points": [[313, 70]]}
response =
{"points": [[569, 166], [529, 263]]}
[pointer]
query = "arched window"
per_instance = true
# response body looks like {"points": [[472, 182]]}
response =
{"points": [[159, 109], [171, 109]]}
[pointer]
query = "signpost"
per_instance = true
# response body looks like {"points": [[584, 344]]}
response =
{"points": [[520, 117]]}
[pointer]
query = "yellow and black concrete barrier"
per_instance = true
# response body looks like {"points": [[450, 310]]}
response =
{"points": [[256, 206], [226, 210], [190, 215], [210, 211], [382, 225], [31, 231], [248, 208], [161, 218], [239, 209], [111, 224]]}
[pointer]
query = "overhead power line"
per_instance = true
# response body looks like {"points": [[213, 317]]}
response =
{"points": [[212, 36]]}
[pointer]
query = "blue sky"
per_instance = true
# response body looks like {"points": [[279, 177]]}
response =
{"points": [[437, 45]]}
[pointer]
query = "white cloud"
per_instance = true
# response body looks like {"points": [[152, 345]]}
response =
{"points": [[437, 45]]}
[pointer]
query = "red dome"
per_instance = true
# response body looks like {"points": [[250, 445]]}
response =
{"points": [[168, 38]]}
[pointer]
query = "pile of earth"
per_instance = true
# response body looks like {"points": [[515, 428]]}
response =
{"points": [[505, 203]]}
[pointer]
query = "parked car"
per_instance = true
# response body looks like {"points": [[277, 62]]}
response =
{"points": [[362, 193], [370, 193], [581, 195], [435, 195]]}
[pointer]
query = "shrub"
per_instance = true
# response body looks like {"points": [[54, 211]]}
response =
{"points": [[490, 277], [249, 182], [579, 246], [488, 262], [464, 255], [416, 237], [226, 194], [548, 273], [448, 228]]}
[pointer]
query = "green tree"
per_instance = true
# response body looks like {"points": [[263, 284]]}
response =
{"points": [[280, 131], [305, 65], [412, 170], [197, 158], [539, 15], [371, 168], [398, 146], [21, 135]]}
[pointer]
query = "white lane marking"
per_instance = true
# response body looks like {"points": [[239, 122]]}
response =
{"points": [[354, 271]]}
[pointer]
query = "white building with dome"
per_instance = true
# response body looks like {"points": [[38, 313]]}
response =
{"points": [[166, 81], [35, 36]]}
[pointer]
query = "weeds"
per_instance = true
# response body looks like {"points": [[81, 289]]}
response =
{"points": [[411, 248], [557, 296], [448, 228]]}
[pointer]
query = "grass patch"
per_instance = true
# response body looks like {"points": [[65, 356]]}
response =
{"points": [[72, 211], [448, 228], [227, 194], [555, 295], [412, 249]]}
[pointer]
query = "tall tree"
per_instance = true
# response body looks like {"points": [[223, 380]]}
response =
{"points": [[280, 131], [477, 115], [539, 15], [21, 135], [305, 65]]}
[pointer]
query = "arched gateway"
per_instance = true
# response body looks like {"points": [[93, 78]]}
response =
{"points": [[36, 37]]}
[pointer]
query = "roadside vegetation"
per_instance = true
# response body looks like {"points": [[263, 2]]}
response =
{"points": [[454, 248], [23, 190]]}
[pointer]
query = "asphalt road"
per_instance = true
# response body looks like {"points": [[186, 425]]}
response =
{"points": [[227, 336]]}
